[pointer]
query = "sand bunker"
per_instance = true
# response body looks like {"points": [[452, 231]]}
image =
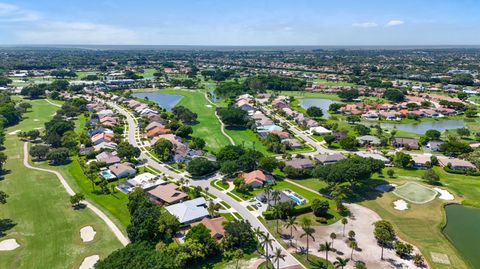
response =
{"points": [[87, 233], [9, 244], [444, 194], [89, 262], [14, 132], [36, 120], [210, 106], [385, 187], [400, 205]]}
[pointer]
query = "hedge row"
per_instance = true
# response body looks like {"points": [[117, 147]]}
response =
{"points": [[461, 172], [298, 210]]}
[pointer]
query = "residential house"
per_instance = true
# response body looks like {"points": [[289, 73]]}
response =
{"points": [[215, 226], [189, 211], [256, 178], [405, 142], [282, 134], [152, 125], [99, 130], [264, 198], [320, 130], [301, 163], [157, 131], [329, 158], [108, 158], [100, 138], [421, 161], [434, 145], [168, 193], [121, 170], [292, 143], [372, 155], [455, 163], [105, 145], [369, 140], [145, 181]]}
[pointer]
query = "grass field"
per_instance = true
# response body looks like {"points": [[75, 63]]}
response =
{"points": [[421, 224], [332, 83], [305, 94], [415, 193], [47, 228]]}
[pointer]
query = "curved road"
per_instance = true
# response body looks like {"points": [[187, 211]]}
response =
{"points": [[120, 236], [243, 211]]}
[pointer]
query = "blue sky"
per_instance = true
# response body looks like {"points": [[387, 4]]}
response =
{"points": [[241, 22]]}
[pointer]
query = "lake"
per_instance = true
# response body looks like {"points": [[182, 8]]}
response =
{"points": [[321, 103], [165, 100], [422, 127], [462, 230]]}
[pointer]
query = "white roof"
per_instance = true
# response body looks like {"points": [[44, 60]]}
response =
{"points": [[189, 211], [320, 130], [375, 156], [146, 180]]}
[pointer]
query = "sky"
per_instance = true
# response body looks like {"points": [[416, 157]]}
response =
{"points": [[241, 22]]}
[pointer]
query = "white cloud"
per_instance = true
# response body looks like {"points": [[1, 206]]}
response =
{"points": [[13, 13], [60, 32], [394, 23], [364, 24]]}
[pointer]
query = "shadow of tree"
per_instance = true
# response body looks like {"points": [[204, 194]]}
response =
{"points": [[5, 225]]}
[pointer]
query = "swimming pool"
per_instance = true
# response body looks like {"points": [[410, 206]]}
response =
{"points": [[106, 174], [299, 200]]}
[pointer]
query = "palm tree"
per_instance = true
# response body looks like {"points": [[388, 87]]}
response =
{"points": [[344, 222], [267, 243], [333, 236], [351, 235], [277, 256], [353, 245], [290, 223], [277, 213], [268, 191], [308, 231], [275, 196], [238, 255], [340, 263], [318, 264], [327, 247], [211, 209]]}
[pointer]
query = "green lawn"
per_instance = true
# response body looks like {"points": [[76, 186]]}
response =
{"points": [[47, 228], [332, 83], [248, 138], [305, 94]]}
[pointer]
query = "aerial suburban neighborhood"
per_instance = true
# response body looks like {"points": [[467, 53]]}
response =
{"points": [[119, 154]]}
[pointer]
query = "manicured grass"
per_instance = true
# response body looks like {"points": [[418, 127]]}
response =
{"points": [[332, 83], [208, 127], [311, 258], [114, 204], [247, 138], [305, 94], [47, 228], [312, 183]]}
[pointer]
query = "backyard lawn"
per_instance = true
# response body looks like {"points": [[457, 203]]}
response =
{"points": [[47, 228]]}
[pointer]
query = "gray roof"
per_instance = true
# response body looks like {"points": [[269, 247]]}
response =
{"points": [[335, 157], [369, 139], [189, 211], [262, 196], [299, 163]]}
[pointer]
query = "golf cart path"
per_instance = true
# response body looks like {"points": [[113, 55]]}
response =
{"points": [[222, 125], [120, 236], [52, 103]]}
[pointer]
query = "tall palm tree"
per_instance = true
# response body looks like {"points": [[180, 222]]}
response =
{"points": [[277, 256], [353, 245], [275, 196], [318, 264], [327, 247], [267, 242], [238, 255], [308, 231], [268, 191], [341, 263], [277, 213], [290, 224], [344, 222], [333, 236], [211, 209], [258, 233]]}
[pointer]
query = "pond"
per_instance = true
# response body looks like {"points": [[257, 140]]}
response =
{"points": [[462, 230], [321, 103], [422, 127], [165, 100]]}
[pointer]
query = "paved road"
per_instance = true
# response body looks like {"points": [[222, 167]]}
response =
{"points": [[244, 212], [120, 236]]}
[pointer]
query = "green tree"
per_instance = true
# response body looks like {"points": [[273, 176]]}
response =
{"points": [[267, 243], [430, 176], [340, 262], [402, 160], [277, 256], [58, 156], [348, 142], [353, 245], [327, 247], [164, 149], [76, 199], [454, 148], [384, 234], [184, 131], [290, 223], [390, 173], [329, 139], [344, 222], [315, 112], [144, 216], [320, 207], [201, 166], [128, 151], [394, 95], [308, 232]]}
